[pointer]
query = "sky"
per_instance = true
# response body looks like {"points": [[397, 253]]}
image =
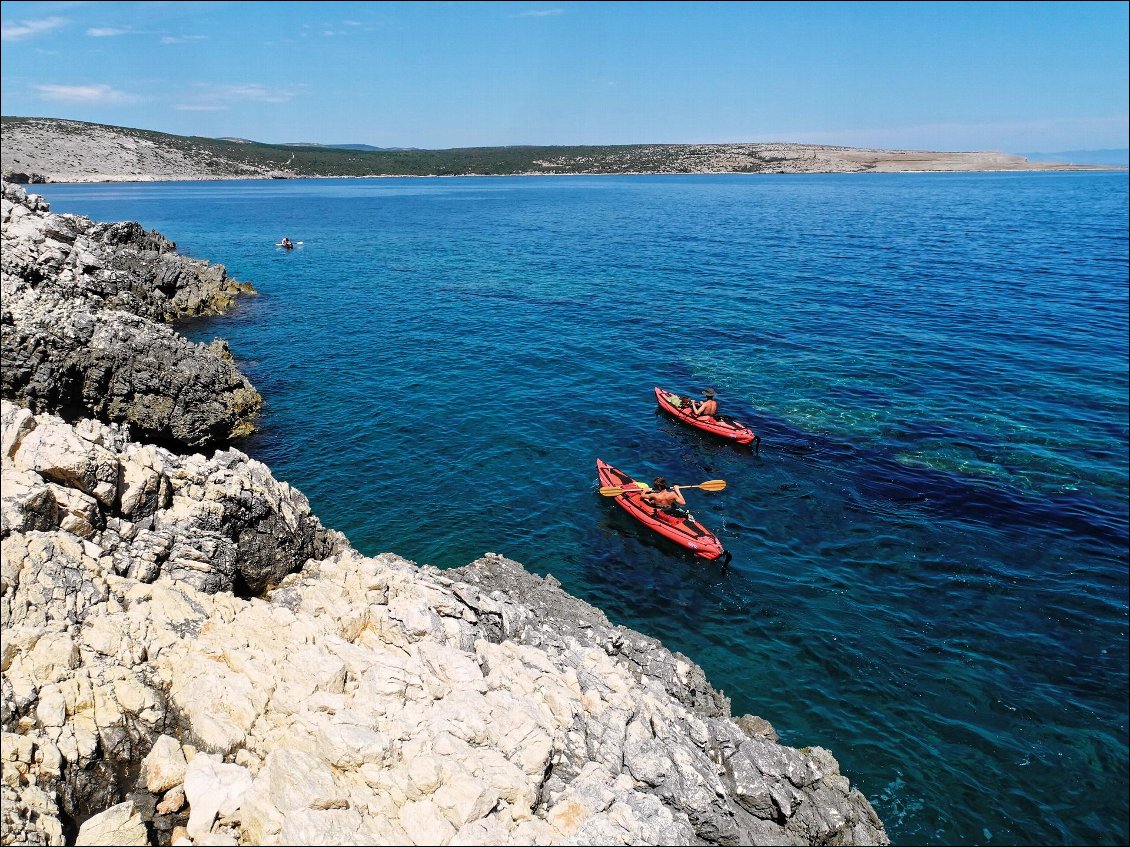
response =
{"points": [[1012, 76]]}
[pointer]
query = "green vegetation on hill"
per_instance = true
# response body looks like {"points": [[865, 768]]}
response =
{"points": [[63, 150], [214, 153]]}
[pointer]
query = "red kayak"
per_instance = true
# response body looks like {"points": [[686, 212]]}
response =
{"points": [[672, 404], [685, 531]]}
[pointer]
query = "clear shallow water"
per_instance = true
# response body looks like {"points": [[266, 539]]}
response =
{"points": [[930, 549]]}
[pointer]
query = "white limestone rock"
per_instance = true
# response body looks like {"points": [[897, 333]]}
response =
{"points": [[55, 451], [164, 767], [212, 788], [119, 825]]}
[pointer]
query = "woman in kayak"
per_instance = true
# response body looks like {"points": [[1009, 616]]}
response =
{"points": [[708, 407], [662, 497], [286, 243]]}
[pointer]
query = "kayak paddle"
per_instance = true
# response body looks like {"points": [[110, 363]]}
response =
{"points": [[709, 485]]}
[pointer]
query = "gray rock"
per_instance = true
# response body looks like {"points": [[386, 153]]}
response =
{"points": [[544, 615], [84, 308], [730, 778], [221, 524]]}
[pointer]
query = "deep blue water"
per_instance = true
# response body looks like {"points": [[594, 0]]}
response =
{"points": [[930, 549]]}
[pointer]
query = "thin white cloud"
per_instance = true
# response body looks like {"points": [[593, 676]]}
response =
{"points": [[26, 29], [540, 13], [106, 31], [207, 97], [84, 94], [182, 39], [254, 91]]}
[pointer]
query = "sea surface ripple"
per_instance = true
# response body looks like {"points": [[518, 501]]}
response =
{"points": [[930, 548]]}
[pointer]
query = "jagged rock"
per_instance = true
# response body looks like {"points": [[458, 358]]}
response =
{"points": [[418, 725], [143, 506], [54, 451], [553, 618], [15, 423], [212, 788], [82, 306]]}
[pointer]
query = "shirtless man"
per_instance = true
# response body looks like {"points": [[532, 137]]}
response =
{"points": [[708, 407], [663, 497]]}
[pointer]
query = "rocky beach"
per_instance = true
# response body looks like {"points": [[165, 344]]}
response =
{"points": [[191, 657]]}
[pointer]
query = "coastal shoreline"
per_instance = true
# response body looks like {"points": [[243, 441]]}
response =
{"points": [[190, 654], [72, 152], [154, 178]]}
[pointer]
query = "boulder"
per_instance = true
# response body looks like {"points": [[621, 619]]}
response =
{"points": [[120, 825]]}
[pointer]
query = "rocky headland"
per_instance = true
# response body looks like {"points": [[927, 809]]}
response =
{"points": [[85, 317], [190, 657], [56, 150]]}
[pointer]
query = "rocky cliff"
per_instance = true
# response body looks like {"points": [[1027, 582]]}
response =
{"points": [[190, 657], [84, 320]]}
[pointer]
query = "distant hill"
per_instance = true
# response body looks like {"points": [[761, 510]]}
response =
{"points": [[348, 146], [1116, 157], [57, 150]]}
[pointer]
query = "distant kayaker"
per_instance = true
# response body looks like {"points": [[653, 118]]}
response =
{"points": [[708, 407], [664, 497], [286, 243]]}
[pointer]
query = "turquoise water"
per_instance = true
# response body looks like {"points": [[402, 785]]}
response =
{"points": [[930, 549]]}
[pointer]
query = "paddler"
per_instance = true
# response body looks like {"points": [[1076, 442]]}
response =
{"points": [[708, 407], [663, 497]]}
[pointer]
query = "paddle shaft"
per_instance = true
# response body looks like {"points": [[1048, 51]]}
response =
{"points": [[709, 485]]}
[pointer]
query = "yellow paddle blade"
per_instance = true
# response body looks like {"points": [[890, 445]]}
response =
{"points": [[614, 491], [611, 491], [709, 485]]}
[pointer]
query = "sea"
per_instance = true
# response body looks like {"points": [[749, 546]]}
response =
{"points": [[929, 572]]}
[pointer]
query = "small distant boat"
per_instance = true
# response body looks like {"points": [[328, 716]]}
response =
{"points": [[288, 245], [673, 405]]}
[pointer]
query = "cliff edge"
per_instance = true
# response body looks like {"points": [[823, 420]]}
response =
{"points": [[190, 657]]}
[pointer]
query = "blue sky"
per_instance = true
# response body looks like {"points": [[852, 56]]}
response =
{"points": [[1012, 76]]}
